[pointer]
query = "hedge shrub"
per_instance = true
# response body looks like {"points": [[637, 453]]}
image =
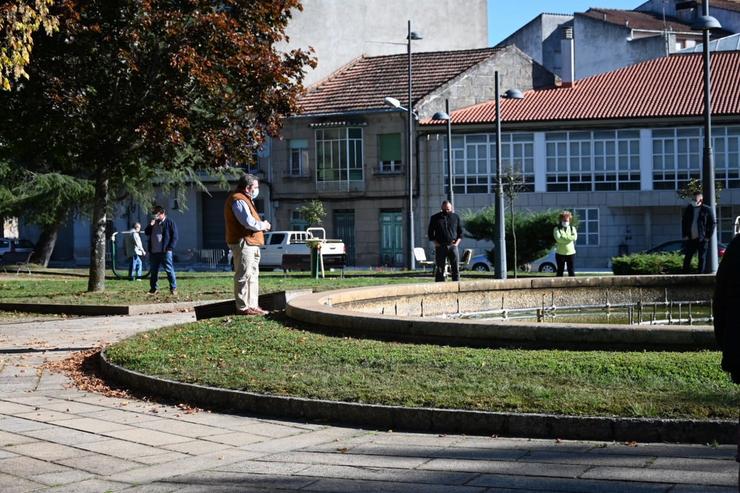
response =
{"points": [[649, 264]]}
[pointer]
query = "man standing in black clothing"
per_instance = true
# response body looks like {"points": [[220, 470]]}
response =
{"points": [[445, 231], [697, 227]]}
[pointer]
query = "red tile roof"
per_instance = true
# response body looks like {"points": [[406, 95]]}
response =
{"points": [[671, 86], [636, 20], [724, 4], [364, 83]]}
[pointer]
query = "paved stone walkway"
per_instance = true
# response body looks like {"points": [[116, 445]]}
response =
{"points": [[55, 438]]}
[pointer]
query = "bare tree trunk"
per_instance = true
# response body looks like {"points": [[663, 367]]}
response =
{"points": [[48, 240], [96, 279], [45, 245]]}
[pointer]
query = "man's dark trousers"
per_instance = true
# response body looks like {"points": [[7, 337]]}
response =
{"points": [[161, 260], [700, 248], [450, 254]]}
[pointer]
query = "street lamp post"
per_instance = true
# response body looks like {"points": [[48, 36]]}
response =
{"points": [[445, 116], [705, 23], [500, 244], [412, 36]]}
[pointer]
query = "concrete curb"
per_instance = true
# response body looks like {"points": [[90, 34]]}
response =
{"points": [[270, 301], [410, 312], [101, 310], [429, 420]]}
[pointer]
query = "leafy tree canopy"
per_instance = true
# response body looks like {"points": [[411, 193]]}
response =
{"points": [[19, 20], [313, 211], [132, 90]]}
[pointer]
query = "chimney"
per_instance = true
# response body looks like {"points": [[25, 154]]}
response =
{"points": [[567, 53]]}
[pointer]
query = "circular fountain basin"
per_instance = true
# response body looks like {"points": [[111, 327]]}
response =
{"points": [[434, 312]]}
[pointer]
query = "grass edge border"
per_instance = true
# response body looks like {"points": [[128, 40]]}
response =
{"points": [[427, 420]]}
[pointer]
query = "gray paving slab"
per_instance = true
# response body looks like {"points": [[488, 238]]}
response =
{"points": [[246, 480], [14, 484], [101, 465], [147, 437], [663, 476], [349, 459], [363, 486], [63, 477], [89, 486], [120, 448], [508, 467], [448, 477], [47, 451], [549, 484], [204, 462], [197, 447]]}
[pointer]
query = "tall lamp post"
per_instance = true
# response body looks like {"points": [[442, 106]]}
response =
{"points": [[500, 244], [445, 116], [411, 36], [705, 23]]}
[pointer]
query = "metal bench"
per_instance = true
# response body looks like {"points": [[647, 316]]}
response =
{"points": [[16, 260]]}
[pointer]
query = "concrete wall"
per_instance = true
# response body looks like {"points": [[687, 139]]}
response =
{"points": [[540, 39], [594, 38], [477, 85], [341, 30]]}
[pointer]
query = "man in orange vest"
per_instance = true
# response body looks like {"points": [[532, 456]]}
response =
{"points": [[245, 235]]}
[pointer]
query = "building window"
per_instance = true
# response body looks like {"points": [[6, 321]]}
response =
{"points": [[298, 158], [726, 146], [389, 152], [676, 157], [474, 161], [588, 226], [616, 160], [517, 159], [339, 154], [586, 161]]}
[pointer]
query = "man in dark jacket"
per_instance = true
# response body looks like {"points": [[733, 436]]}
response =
{"points": [[162, 232], [445, 231], [726, 321], [697, 227]]}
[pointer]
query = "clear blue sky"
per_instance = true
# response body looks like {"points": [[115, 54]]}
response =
{"points": [[505, 17]]}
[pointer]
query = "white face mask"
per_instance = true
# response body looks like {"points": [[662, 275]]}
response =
{"points": [[695, 203], [565, 224], [255, 193]]}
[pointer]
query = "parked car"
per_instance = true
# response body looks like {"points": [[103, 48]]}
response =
{"points": [[293, 243], [545, 263], [15, 245], [677, 246], [480, 263]]}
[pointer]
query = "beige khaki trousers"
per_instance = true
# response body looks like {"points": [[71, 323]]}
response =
{"points": [[246, 275]]}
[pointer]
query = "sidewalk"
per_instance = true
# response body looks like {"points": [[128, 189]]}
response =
{"points": [[54, 438]]}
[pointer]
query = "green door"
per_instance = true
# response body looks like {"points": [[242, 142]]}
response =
{"points": [[344, 229], [391, 239]]}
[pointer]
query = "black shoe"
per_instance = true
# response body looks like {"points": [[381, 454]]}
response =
{"points": [[154, 291]]}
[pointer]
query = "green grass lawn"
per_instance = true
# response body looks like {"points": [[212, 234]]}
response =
{"points": [[277, 356], [71, 287]]}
